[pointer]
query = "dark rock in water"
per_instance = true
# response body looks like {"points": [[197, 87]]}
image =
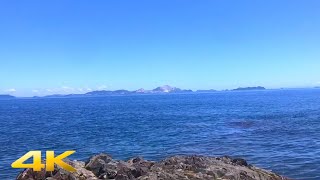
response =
{"points": [[102, 166], [240, 162]]}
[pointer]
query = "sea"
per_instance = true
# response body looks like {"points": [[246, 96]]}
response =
{"points": [[278, 130]]}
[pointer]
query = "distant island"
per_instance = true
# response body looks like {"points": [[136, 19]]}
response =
{"points": [[249, 88], [166, 89], [158, 90], [4, 97], [206, 91]]}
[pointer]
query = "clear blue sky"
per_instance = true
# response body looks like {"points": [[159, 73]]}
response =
{"points": [[63, 46]]}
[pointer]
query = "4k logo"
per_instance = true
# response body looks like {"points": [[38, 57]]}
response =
{"points": [[51, 160]]}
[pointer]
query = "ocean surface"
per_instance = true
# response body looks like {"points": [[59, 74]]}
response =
{"points": [[274, 129]]}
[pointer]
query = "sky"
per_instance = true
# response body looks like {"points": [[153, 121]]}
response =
{"points": [[64, 46]]}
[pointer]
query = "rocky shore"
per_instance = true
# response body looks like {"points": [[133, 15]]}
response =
{"points": [[103, 166]]}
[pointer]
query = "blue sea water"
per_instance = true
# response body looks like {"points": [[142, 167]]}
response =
{"points": [[274, 129]]}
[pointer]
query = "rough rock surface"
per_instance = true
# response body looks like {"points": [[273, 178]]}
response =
{"points": [[59, 173], [102, 166]]}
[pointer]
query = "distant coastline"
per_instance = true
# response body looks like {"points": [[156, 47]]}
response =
{"points": [[249, 88], [4, 97], [166, 89]]}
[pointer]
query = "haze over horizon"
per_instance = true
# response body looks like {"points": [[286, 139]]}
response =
{"points": [[64, 47]]}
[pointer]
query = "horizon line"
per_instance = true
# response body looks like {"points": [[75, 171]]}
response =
{"points": [[132, 91]]}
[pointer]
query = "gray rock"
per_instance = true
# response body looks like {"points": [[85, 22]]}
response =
{"points": [[102, 166], [199, 167], [59, 173]]}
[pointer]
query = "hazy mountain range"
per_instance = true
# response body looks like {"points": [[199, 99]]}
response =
{"points": [[249, 88], [166, 89], [159, 90]]}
